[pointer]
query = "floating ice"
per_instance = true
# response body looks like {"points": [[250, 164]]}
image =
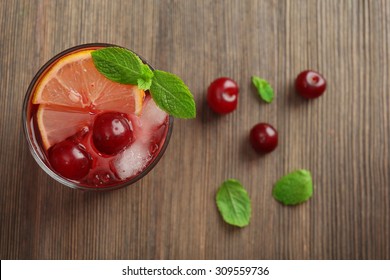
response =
{"points": [[132, 160], [152, 116]]}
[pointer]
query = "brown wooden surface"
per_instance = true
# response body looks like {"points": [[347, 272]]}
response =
{"points": [[342, 137]]}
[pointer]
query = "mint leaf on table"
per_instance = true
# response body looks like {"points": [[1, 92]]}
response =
{"points": [[122, 66], [172, 95], [294, 188], [234, 203], [264, 89]]}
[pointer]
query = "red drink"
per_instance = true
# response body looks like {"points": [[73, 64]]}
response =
{"points": [[88, 132]]}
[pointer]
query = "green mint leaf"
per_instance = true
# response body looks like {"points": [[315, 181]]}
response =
{"points": [[294, 188], [167, 90], [145, 81], [122, 66], [264, 89], [172, 95], [144, 84], [234, 203]]}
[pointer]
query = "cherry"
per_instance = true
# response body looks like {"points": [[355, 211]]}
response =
{"points": [[263, 138], [111, 133], [222, 95], [310, 84], [70, 160]]}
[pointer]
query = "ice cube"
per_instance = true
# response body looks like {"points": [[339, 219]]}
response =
{"points": [[132, 160], [152, 116]]}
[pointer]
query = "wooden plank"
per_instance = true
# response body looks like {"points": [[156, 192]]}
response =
{"points": [[342, 137]]}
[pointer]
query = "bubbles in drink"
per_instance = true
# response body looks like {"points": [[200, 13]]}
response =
{"points": [[101, 178]]}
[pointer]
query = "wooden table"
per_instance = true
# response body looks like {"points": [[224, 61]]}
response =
{"points": [[343, 137]]}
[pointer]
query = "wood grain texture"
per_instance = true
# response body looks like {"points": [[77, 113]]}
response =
{"points": [[342, 137]]}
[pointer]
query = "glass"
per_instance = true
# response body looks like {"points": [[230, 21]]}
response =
{"points": [[39, 153]]}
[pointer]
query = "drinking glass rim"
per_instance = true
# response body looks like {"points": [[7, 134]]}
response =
{"points": [[33, 150]]}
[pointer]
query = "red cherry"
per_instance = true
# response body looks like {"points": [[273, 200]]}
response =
{"points": [[310, 84], [264, 138], [111, 133], [222, 95], [70, 160]]}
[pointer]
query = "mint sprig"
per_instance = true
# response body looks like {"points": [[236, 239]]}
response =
{"points": [[121, 66], [264, 89], [233, 203], [172, 95], [294, 188], [145, 80], [168, 91]]}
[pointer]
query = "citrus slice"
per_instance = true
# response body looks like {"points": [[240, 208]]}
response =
{"points": [[57, 123], [73, 81]]}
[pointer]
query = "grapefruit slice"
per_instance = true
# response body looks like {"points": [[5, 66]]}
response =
{"points": [[57, 123], [73, 81], [70, 89]]}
